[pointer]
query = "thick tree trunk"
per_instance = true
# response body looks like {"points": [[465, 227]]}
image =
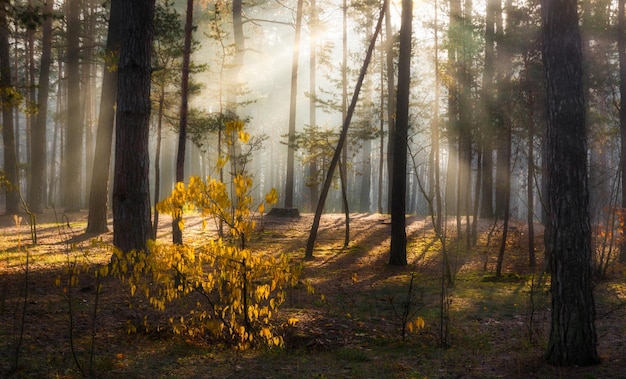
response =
{"points": [[397, 255], [99, 190], [131, 188], [573, 337]]}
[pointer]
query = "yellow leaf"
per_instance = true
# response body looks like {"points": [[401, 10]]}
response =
{"points": [[244, 136], [419, 323], [292, 321], [271, 197]]}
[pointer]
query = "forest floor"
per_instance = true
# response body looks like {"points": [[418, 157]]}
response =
{"points": [[493, 329]]}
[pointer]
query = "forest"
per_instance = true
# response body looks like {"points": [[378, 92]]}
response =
{"points": [[319, 188]]}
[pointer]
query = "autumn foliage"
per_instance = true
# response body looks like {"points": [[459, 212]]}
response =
{"points": [[238, 291]]}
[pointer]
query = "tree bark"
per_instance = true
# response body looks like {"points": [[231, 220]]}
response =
{"points": [[99, 191], [621, 46], [573, 337], [177, 234], [487, 129], [391, 97], [289, 185], [131, 191], [75, 129], [313, 166], [38, 134], [397, 254], [340, 143], [8, 136]]}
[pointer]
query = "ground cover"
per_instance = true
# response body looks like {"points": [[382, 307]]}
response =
{"points": [[351, 327]]}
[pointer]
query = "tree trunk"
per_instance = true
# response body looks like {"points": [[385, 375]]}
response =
{"points": [[573, 337], [366, 183], [487, 129], [131, 188], [177, 234], [31, 118], [381, 125], [621, 46], [8, 136], [89, 85], [38, 147], [99, 191], [397, 254], [391, 97], [506, 205], [290, 182], [340, 143], [530, 177], [75, 129], [313, 167], [451, 199], [157, 162]]}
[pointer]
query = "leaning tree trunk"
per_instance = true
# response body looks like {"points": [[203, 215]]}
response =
{"points": [[342, 138], [572, 338]]}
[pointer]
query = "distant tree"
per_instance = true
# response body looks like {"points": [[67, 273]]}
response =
{"points": [[621, 46], [488, 114], [573, 337], [312, 182], [131, 192], [99, 190], [289, 183], [168, 48], [397, 254], [38, 133], [75, 128], [8, 99], [391, 95]]}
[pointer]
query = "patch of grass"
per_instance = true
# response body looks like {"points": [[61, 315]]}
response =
{"points": [[352, 354]]}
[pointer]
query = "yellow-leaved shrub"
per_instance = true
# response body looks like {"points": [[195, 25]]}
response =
{"points": [[237, 292]]}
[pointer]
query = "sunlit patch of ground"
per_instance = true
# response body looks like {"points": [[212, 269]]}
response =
{"points": [[349, 327]]}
